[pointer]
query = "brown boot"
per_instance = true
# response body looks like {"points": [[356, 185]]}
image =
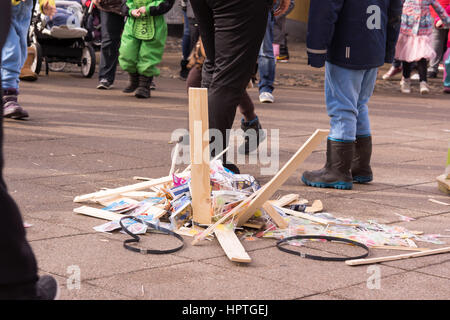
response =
{"points": [[26, 73]]}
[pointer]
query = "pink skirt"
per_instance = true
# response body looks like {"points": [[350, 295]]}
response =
{"points": [[414, 48]]}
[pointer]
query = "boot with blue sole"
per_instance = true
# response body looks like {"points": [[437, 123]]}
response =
{"points": [[336, 172], [361, 170]]}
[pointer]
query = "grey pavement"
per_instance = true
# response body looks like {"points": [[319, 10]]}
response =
{"points": [[79, 139]]}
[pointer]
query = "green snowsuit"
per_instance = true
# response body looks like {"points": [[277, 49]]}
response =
{"points": [[143, 40]]}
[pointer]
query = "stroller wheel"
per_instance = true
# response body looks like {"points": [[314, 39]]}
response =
{"points": [[36, 65], [88, 62]]}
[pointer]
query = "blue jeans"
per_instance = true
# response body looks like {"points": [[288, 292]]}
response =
{"points": [[15, 50], [347, 93], [266, 59], [186, 40]]}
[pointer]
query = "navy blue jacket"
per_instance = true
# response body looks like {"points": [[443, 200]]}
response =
{"points": [[354, 34]]}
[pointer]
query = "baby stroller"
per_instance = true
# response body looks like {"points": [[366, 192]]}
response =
{"points": [[62, 39]]}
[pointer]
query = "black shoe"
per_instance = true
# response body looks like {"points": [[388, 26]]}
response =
{"points": [[143, 91], [432, 74], [361, 170], [153, 85], [253, 135], [336, 172], [104, 84], [133, 83], [47, 288], [184, 72]]}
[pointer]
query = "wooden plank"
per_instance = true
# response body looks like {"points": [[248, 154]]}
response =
{"points": [[285, 200], [358, 262], [98, 213], [399, 248], [277, 219], [231, 245], [306, 216], [139, 195], [133, 187], [199, 146], [277, 181]]}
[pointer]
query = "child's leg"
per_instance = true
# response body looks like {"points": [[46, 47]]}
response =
{"points": [[129, 51], [447, 69], [342, 93], [407, 67], [367, 87], [422, 65]]}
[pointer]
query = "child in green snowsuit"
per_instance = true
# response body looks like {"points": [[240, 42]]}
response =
{"points": [[142, 44]]}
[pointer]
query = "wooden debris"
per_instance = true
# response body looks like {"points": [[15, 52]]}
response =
{"points": [[401, 248], [285, 200], [98, 213], [277, 219], [316, 206], [231, 245], [134, 187], [439, 202], [357, 262], [139, 195], [306, 216], [199, 147], [277, 181], [443, 184]]}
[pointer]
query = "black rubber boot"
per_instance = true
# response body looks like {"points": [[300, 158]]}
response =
{"points": [[253, 135], [336, 172], [361, 170], [143, 91], [133, 83]]}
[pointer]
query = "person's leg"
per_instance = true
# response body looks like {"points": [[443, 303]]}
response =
{"points": [[361, 170], [128, 57], [422, 70], [342, 92], [395, 69], [266, 64], [150, 55], [447, 72], [111, 28], [185, 47], [18, 268], [405, 83], [439, 44], [14, 54], [232, 32]]}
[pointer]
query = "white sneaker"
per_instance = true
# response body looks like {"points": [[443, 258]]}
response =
{"points": [[424, 88], [405, 85], [266, 97]]}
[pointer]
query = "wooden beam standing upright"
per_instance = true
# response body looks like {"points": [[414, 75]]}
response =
{"points": [[277, 181], [199, 148]]}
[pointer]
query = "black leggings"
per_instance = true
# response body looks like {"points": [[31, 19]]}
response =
{"points": [[421, 68]]}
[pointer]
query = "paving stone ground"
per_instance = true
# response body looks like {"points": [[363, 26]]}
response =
{"points": [[79, 139]]}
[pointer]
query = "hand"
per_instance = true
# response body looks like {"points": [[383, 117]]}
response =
{"points": [[282, 7], [142, 10], [439, 24], [136, 13], [49, 10]]}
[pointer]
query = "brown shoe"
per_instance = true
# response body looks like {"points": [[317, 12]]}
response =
{"points": [[26, 73]]}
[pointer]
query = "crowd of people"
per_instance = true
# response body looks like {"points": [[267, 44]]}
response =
{"points": [[223, 41]]}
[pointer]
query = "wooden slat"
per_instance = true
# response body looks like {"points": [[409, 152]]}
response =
{"points": [[199, 147], [358, 262], [277, 219], [98, 213], [285, 200], [231, 245], [443, 184], [277, 181], [316, 206], [133, 187]]}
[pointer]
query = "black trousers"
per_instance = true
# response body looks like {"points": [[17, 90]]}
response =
{"points": [[112, 27], [18, 268], [232, 32]]}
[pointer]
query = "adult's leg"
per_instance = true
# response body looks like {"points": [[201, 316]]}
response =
{"points": [[186, 40], [439, 45], [18, 268], [447, 69], [112, 27], [266, 60]]}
